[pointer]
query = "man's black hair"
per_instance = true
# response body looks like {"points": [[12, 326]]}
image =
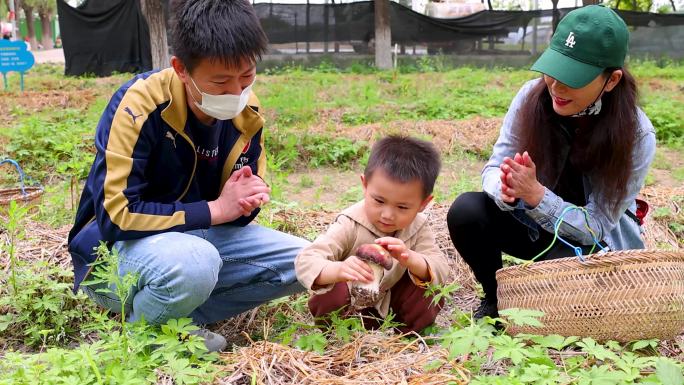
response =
{"points": [[405, 159], [225, 30]]}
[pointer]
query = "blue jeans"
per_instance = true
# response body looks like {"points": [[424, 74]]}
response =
{"points": [[208, 275]]}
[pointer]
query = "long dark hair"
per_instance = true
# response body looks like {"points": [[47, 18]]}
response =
{"points": [[606, 148]]}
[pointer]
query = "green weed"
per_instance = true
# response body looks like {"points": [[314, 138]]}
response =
{"points": [[40, 307], [59, 142], [143, 355], [667, 116], [43, 311], [531, 359], [123, 353]]}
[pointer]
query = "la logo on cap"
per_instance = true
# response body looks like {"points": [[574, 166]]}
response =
{"points": [[570, 41]]}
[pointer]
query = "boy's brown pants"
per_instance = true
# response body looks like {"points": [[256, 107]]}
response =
{"points": [[407, 301]]}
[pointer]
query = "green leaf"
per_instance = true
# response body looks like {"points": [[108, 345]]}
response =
{"points": [[590, 346], [523, 317], [512, 348], [541, 375], [472, 339], [5, 321], [554, 341], [542, 360], [668, 372], [312, 342], [599, 376], [638, 345], [438, 292]]}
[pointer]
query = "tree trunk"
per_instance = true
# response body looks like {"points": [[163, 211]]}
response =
{"points": [[489, 3], [154, 14], [383, 35], [674, 9], [30, 26], [590, 2], [556, 15], [46, 39], [307, 26]]}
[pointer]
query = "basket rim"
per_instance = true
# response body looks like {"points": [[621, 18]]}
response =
{"points": [[10, 194], [595, 258]]}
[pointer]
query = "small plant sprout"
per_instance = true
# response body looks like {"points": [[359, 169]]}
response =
{"points": [[14, 227], [367, 294]]}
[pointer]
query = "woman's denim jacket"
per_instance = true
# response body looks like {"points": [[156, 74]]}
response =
{"points": [[617, 230]]}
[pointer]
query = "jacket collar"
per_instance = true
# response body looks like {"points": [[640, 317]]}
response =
{"points": [[357, 213], [248, 122]]}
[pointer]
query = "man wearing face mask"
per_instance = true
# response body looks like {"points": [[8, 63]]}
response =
{"points": [[177, 179]]}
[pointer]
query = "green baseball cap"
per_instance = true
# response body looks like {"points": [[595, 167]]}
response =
{"points": [[586, 42]]}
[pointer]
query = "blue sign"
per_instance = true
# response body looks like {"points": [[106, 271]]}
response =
{"points": [[14, 56]]}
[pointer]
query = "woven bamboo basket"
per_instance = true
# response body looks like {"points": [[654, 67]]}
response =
{"points": [[26, 195], [15, 194], [623, 295]]}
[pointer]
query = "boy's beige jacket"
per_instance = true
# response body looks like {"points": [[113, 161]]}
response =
{"points": [[352, 229]]}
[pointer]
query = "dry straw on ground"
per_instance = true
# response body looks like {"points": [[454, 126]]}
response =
{"points": [[658, 234], [372, 358]]}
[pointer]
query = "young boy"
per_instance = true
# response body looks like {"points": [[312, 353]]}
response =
{"points": [[397, 185]]}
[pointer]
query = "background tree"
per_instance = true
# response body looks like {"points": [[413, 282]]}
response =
{"points": [[154, 14], [28, 7], [46, 11], [556, 15]]}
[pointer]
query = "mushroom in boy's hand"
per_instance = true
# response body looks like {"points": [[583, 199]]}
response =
{"points": [[379, 259]]}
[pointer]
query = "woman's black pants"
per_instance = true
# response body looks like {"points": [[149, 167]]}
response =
{"points": [[481, 231]]}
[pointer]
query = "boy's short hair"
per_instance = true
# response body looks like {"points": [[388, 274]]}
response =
{"points": [[224, 30], [405, 159]]}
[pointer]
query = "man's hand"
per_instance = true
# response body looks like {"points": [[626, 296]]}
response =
{"points": [[242, 193], [519, 180], [414, 262], [351, 269]]}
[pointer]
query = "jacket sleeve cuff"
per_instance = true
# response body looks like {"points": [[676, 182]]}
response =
{"points": [[197, 215], [419, 282], [245, 220], [546, 210], [316, 269]]}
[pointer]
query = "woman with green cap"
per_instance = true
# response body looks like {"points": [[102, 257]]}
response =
{"points": [[574, 137]]}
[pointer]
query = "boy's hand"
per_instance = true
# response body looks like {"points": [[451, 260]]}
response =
{"points": [[397, 249], [351, 269], [414, 262], [354, 269]]}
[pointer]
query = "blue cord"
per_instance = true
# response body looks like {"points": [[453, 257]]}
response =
{"points": [[576, 249], [22, 176]]}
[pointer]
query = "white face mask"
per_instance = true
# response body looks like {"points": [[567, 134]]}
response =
{"points": [[222, 107]]}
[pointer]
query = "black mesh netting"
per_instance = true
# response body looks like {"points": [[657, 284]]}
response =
{"points": [[110, 35]]}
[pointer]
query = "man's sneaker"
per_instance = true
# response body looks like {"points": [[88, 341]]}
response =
{"points": [[213, 341], [486, 308]]}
